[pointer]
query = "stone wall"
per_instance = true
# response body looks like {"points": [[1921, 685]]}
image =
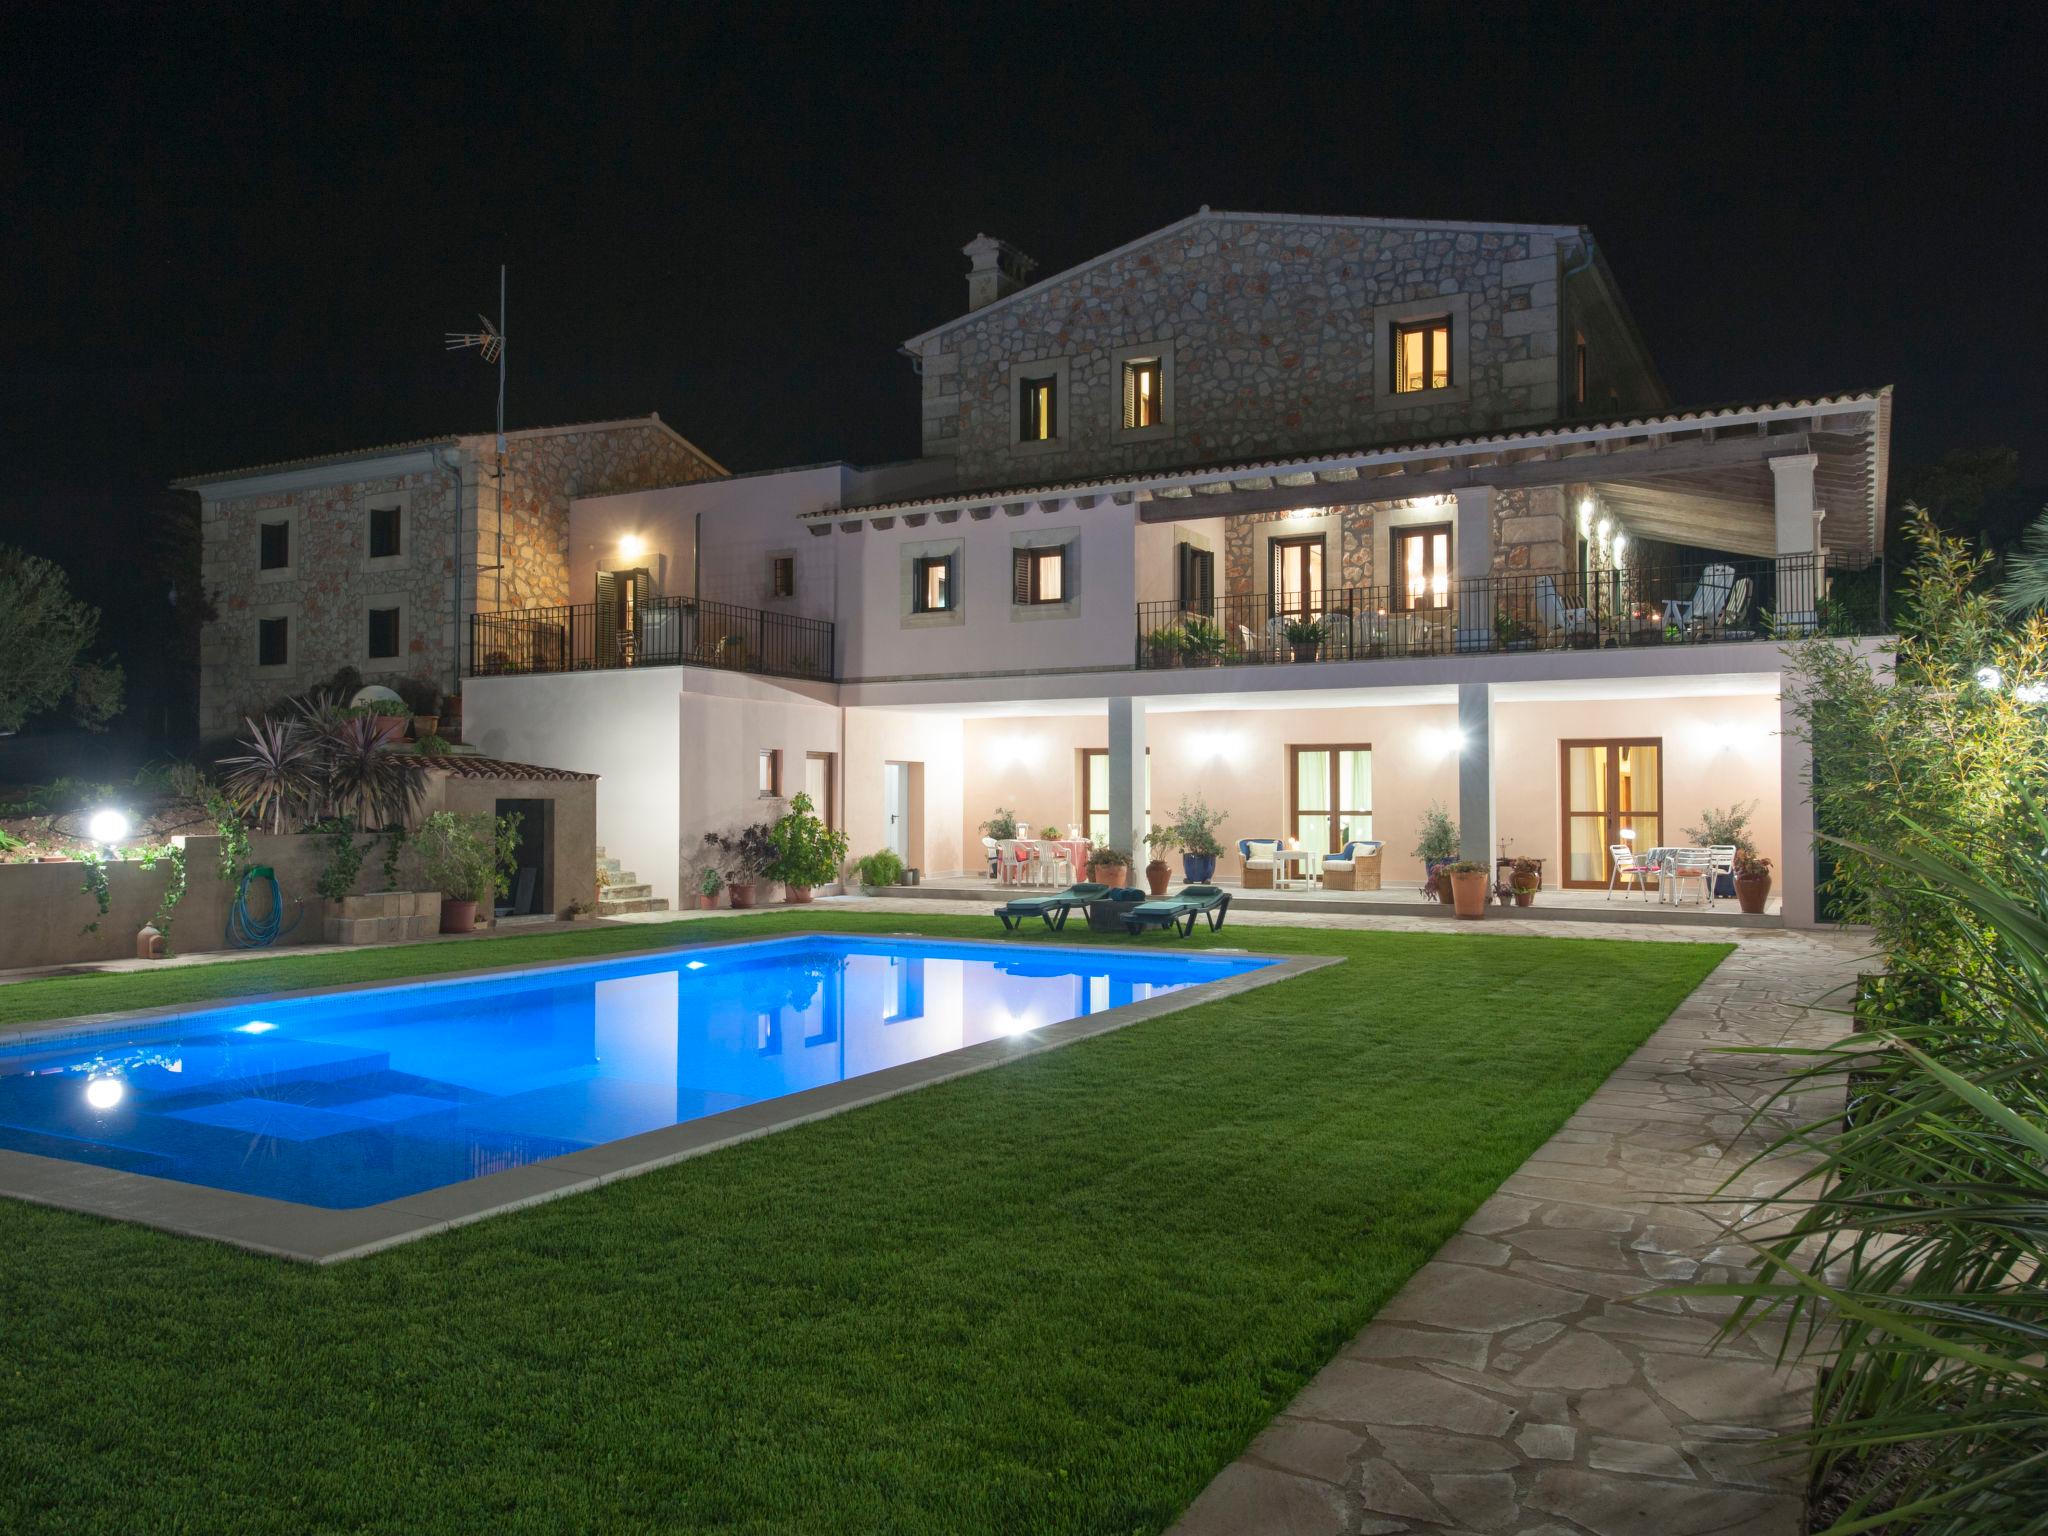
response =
{"points": [[1277, 340]]}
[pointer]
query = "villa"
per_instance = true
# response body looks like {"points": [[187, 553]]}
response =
{"points": [[1326, 520]]}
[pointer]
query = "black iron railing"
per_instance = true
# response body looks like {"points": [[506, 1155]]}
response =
{"points": [[1697, 604], [656, 632]]}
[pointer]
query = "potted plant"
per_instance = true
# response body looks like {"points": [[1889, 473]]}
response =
{"points": [[879, 871], [807, 852], [391, 716], [1468, 887], [1752, 880], [469, 859], [1525, 878], [1048, 834], [1725, 829], [709, 883], [423, 698], [1436, 847], [1002, 826], [1193, 831], [1158, 873], [1107, 865], [1202, 643], [743, 858], [1166, 644], [1306, 636]]}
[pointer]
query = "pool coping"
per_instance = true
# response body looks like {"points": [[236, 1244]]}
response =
{"points": [[318, 1235]]}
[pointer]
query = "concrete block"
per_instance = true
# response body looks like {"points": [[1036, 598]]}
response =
{"points": [[1527, 322], [1537, 269], [1528, 370], [389, 930], [351, 930]]}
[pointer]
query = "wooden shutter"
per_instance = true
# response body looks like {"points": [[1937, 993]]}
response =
{"points": [[1131, 398], [1021, 576], [1203, 564]]}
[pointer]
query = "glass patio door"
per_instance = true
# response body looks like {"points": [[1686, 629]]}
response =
{"points": [[1332, 796], [1297, 577], [1613, 794]]}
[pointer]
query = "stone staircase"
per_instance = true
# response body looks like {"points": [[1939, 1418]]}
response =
{"points": [[624, 893]]}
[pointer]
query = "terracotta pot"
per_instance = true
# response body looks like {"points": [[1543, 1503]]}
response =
{"points": [[390, 727], [1752, 891], [1468, 894], [706, 903], [457, 916], [1307, 652], [1158, 875], [741, 896], [1525, 898], [424, 726], [1108, 874], [796, 895]]}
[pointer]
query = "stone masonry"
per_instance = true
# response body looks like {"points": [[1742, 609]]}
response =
{"points": [[1275, 328]]}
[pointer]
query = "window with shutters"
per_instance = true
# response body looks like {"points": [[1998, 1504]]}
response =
{"points": [[384, 533], [1144, 392], [1038, 410], [1039, 575], [1422, 355], [931, 584], [1197, 580]]}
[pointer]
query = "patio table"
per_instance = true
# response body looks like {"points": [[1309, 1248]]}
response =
{"points": [[1309, 860]]}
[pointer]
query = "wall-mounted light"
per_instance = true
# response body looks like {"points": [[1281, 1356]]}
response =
{"points": [[632, 546], [1444, 743]]}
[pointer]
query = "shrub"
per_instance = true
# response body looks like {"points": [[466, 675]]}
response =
{"points": [[435, 745], [1191, 829], [807, 851], [1002, 826], [468, 858], [746, 855], [1437, 836], [1108, 857], [1304, 632], [1203, 640], [879, 869], [1723, 829], [1168, 639]]}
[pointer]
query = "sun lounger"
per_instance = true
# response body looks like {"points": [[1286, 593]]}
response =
{"points": [[1053, 909], [1181, 911]]}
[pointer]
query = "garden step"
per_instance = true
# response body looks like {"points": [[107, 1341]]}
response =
{"points": [[637, 904], [617, 892]]}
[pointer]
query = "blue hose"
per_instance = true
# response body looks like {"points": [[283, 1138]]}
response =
{"points": [[246, 932]]}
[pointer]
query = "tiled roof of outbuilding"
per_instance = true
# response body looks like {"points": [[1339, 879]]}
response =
{"points": [[464, 765]]}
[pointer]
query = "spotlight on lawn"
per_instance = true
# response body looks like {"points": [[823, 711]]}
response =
{"points": [[107, 827]]}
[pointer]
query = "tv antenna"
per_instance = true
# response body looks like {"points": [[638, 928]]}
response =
{"points": [[490, 341]]}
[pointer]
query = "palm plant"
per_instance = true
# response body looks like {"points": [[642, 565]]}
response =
{"points": [[278, 778], [1914, 1271], [361, 778]]}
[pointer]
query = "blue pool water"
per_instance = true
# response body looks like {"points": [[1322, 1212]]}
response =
{"points": [[360, 1097]]}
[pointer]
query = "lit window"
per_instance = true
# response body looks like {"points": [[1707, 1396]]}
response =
{"points": [[1038, 410], [1422, 356], [383, 533], [782, 575], [383, 634], [274, 546], [1039, 575], [1143, 392], [271, 645], [931, 584], [1422, 566]]}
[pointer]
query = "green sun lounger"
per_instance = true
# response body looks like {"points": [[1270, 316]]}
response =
{"points": [[1181, 911], [1052, 909]]}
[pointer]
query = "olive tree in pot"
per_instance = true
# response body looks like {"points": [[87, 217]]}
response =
{"points": [[807, 852], [1107, 865], [743, 858], [1158, 873], [1194, 834], [470, 859], [1468, 887], [1437, 847]]}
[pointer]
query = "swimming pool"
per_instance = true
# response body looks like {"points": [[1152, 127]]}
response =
{"points": [[353, 1098]]}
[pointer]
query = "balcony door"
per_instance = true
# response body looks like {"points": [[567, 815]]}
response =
{"points": [[1613, 794], [1332, 796], [1422, 566], [1296, 577]]}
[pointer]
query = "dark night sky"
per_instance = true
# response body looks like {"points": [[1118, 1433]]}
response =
{"points": [[229, 240]]}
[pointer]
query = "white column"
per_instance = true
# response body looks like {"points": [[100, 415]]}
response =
{"points": [[1475, 773], [1472, 559], [1796, 895], [1127, 777], [1792, 495]]}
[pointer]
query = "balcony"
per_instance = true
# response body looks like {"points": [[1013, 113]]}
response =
{"points": [[656, 632], [1706, 603]]}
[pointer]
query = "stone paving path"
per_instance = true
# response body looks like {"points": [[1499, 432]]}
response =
{"points": [[1514, 1385]]}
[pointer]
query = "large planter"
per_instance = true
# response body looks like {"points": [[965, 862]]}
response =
{"points": [[1307, 652], [1108, 874], [1525, 895], [424, 726], [1199, 868], [740, 895], [706, 903], [391, 728], [1158, 875], [796, 895], [1468, 894], [1752, 891], [457, 916], [1165, 656]]}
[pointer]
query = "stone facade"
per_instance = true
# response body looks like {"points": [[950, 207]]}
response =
{"points": [[1279, 330], [331, 582]]}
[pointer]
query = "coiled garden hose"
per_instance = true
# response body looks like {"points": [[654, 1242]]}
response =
{"points": [[246, 932]]}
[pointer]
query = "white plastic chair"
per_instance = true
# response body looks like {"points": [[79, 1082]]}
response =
{"points": [[995, 858], [1724, 864], [1556, 618], [1013, 861], [1694, 865], [1627, 867], [1054, 862], [1337, 635]]}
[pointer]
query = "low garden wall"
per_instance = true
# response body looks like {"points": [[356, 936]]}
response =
{"points": [[45, 909]]}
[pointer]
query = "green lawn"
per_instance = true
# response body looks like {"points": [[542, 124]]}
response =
{"points": [[1056, 1296]]}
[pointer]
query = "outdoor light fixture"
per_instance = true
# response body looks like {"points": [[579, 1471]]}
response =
{"points": [[105, 1092], [1606, 527], [107, 827], [632, 547], [1990, 678], [255, 1027], [2031, 693]]}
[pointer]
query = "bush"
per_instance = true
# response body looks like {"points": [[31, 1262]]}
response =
{"points": [[1002, 826], [746, 855], [1725, 829], [468, 858], [1438, 836], [1108, 857], [879, 869], [807, 851]]}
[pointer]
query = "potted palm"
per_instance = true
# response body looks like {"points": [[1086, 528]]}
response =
{"points": [[1107, 865], [1468, 887], [1306, 636], [1525, 879], [1202, 643], [469, 859], [1166, 644], [1437, 847], [1752, 880], [807, 852]]}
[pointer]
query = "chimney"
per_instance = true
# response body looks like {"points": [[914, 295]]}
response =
{"points": [[995, 268]]}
